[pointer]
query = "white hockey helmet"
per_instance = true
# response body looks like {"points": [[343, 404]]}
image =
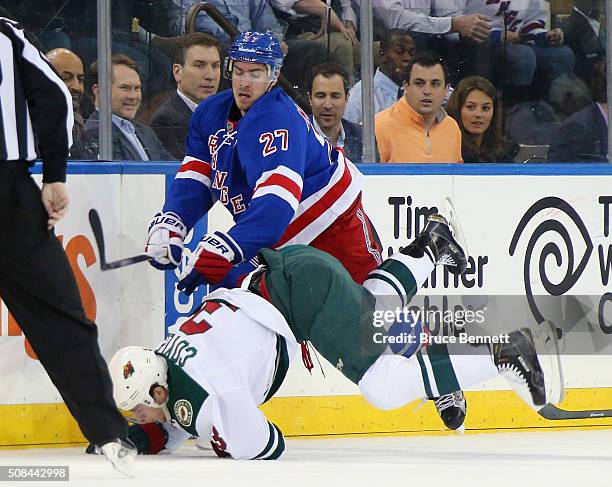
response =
{"points": [[134, 370]]}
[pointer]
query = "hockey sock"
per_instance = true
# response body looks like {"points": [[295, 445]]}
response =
{"points": [[456, 366], [401, 277], [394, 381]]}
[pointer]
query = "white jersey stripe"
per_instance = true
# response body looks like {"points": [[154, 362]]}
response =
{"points": [[279, 191], [285, 171], [195, 176]]}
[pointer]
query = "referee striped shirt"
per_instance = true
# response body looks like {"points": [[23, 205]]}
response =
{"points": [[33, 100]]}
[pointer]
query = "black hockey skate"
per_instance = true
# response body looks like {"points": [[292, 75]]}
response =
{"points": [[530, 363], [452, 409], [442, 240]]}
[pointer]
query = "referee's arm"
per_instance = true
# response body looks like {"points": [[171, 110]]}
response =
{"points": [[49, 105]]}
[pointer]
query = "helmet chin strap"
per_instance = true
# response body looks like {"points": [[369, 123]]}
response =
{"points": [[274, 79]]}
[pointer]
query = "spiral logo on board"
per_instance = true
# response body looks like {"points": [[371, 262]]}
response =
{"points": [[571, 266]]}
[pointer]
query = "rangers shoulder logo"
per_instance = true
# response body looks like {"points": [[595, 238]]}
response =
{"points": [[183, 412]]}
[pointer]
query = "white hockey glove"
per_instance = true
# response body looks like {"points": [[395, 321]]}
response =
{"points": [[166, 232]]}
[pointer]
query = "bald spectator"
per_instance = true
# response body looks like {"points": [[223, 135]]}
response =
{"points": [[70, 68], [416, 128], [197, 71]]}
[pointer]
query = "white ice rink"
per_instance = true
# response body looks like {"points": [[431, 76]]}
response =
{"points": [[576, 458]]}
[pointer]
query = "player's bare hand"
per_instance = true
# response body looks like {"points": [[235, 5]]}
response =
{"points": [[555, 37], [56, 201], [473, 27], [513, 37], [351, 31]]}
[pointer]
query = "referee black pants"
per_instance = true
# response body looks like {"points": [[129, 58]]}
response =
{"points": [[39, 289]]}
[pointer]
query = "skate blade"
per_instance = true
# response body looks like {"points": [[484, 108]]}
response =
{"points": [[448, 211], [545, 340], [460, 430]]}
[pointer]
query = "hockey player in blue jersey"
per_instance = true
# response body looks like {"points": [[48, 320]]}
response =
{"points": [[255, 151]]}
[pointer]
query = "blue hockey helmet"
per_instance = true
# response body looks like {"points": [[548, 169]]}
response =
{"points": [[256, 47]]}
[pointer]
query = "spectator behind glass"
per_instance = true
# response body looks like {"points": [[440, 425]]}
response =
{"points": [[253, 15], [70, 68], [72, 24], [131, 141], [328, 90], [197, 71], [520, 50], [583, 137], [585, 35], [416, 128], [475, 107], [422, 18], [305, 20], [397, 48]]}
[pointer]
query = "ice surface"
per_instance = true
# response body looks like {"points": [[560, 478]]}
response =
{"points": [[577, 458]]}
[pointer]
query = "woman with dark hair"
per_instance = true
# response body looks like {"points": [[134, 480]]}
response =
{"points": [[475, 106]]}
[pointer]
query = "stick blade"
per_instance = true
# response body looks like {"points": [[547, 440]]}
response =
{"points": [[552, 412]]}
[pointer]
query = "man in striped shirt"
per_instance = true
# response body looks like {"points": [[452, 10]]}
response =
{"points": [[36, 281]]}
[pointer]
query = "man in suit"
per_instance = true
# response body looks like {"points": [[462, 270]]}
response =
{"points": [[583, 136], [328, 95], [132, 141], [585, 35], [197, 71]]}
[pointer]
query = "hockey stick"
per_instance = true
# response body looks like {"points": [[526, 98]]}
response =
{"points": [[554, 413], [96, 227]]}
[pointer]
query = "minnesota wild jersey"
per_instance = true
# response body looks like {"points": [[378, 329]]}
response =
{"points": [[223, 362]]}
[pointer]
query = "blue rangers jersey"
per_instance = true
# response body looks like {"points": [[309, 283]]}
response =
{"points": [[280, 180]]}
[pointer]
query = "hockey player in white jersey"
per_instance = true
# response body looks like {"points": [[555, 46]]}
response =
{"points": [[208, 377]]}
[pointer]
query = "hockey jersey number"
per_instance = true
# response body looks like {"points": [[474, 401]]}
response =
{"points": [[197, 324], [267, 138]]}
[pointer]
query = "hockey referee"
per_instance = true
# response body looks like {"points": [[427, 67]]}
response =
{"points": [[36, 281]]}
